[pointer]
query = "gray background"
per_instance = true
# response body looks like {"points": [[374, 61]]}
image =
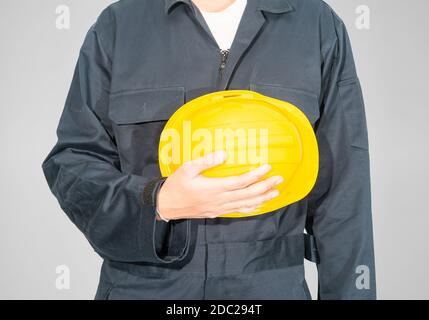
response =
{"points": [[36, 66]]}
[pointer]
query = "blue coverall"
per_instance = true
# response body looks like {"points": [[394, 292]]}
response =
{"points": [[139, 63]]}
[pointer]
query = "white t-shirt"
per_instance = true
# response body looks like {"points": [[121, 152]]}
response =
{"points": [[224, 24]]}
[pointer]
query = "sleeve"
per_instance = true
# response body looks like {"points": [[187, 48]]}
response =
{"points": [[339, 213], [115, 211]]}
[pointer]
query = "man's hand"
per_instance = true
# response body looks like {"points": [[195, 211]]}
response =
{"points": [[187, 194]]}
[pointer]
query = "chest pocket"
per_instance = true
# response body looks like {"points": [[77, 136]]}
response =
{"points": [[138, 118], [307, 102]]}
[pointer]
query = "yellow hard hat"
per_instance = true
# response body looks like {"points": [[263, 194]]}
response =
{"points": [[253, 129]]}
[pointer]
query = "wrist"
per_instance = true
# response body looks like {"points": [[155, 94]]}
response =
{"points": [[159, 215]]}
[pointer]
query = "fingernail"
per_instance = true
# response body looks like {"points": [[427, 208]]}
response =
{"points": [[274, 194], [264, 169], [279, 180]]}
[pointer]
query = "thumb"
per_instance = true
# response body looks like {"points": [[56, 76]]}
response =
{"points": [[195, 167]]}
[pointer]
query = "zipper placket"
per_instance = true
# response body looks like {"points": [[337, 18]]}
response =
{"points": [[223, 58]]}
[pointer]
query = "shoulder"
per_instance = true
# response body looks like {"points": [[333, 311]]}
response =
{"points": [[313, 7], [123, 15], [319, 15], [317, 8], [125, 9], [331, 26]]}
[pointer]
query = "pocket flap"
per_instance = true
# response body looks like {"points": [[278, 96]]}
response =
{"points": [[307, 102], [145, 105]]}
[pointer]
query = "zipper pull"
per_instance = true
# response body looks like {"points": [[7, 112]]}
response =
{"points": [[224, 57]]}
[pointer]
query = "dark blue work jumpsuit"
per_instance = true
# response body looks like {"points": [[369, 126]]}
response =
{"points": [[139, 63]]}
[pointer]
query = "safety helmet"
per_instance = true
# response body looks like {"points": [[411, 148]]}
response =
{"points": [[253, 129]]}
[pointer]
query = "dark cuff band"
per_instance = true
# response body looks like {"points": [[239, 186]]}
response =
{"points": [[151, 190]]}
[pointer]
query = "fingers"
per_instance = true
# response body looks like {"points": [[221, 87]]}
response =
{"points": [[241, 181], [244, 206], [250, 203], [195, 167], [241, 194], [254, 190]]}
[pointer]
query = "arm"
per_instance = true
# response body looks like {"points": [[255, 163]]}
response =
{"points": [[115, 211], [339, 214]]}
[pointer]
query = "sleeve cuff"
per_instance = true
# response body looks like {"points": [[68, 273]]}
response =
{"points": [[181, 229], [151, 190]]}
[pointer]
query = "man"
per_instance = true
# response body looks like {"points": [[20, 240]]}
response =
{"points": [[161, 238]]}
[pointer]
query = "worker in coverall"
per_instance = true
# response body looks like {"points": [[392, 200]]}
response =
{"points": [[140, 62]]}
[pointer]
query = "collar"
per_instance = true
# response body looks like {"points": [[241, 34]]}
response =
{"points": [[171, 4], [273, 6]]}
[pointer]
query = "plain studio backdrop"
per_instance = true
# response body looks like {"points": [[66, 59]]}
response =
{"points": [[37, 61]]}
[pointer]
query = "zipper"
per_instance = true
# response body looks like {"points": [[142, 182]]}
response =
{"points": [[223, 58], [223, 52]]}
